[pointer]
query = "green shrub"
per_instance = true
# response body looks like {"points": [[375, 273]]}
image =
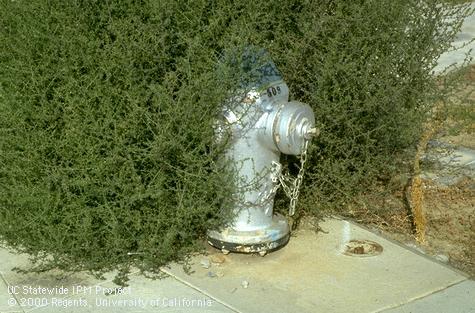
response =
{"points": [[106, 135], [107, 110], [366, 69]]}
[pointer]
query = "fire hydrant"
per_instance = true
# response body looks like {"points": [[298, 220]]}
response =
{"points": [[262, 124]]}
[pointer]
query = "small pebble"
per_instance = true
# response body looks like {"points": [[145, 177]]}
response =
{"points": [[205, 263], [442, 258], [218, 258], [415, 247]]}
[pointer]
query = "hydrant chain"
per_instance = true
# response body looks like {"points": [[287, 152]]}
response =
{"points": [[299, 179], [291, 186]]}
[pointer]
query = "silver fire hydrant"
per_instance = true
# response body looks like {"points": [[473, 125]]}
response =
{"points": [[261, 125]]}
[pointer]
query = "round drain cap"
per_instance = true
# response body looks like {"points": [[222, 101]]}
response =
{"points": [[362, 248]]}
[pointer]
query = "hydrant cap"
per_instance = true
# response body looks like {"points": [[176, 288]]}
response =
{"points": [[292, 126]]}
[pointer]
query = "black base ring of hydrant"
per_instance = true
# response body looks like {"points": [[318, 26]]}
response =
{"points": [[253, 248]]}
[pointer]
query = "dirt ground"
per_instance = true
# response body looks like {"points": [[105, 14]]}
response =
{"points": [[449, 208], [450, 213]]}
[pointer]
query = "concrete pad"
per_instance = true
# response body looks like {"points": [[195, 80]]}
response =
{"points": [[463, 46], [8, 302], [311, 274], [27, 287], [449, 155], [453, 163], [82, 292], [142, 295], [11, 260], [459, 298], [460, 157]]}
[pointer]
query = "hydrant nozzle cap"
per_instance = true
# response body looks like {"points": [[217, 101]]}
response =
{"points": [[312, 132], [292, 126]]}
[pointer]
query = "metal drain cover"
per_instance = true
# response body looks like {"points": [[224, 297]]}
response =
{"points": [[362, 248]]}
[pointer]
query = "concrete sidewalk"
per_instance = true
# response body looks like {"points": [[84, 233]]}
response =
{"points": [[313, 273], [463, 46]]}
